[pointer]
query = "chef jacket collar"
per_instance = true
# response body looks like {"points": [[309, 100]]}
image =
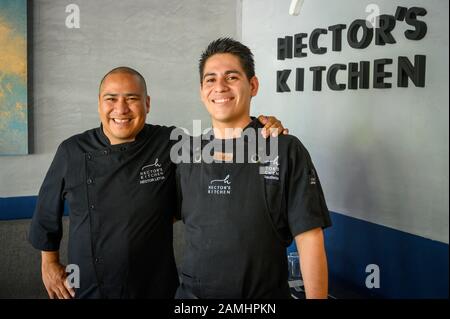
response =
{"points": [[140, 137], [254, 124]]}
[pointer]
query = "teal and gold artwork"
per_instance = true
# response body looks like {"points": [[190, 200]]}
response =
{"points": [[13, 78]]}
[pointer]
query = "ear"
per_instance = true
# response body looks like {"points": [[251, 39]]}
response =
{"points": [[147, 104], [254, 86]]}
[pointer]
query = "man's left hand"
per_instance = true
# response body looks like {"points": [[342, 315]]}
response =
{"points": [[272, 126]]}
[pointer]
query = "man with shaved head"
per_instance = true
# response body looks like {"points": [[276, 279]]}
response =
{"points": [[119, 183]]}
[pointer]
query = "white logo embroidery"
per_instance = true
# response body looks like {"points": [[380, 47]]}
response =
{"points": [[156, 164], [220, 186], [274, 162], [312, 177], [270, 169], [225, 180], [151, 173]]}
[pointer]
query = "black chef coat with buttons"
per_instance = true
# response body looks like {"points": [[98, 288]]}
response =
{"points": [[121, 200], [239, 218]]}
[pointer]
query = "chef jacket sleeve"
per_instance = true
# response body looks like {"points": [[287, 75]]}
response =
{"points": [[46, 225], [306, 204]]}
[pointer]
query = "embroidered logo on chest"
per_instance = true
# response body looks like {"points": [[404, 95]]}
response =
{"points": [[151, 173], [220, 186], [270, 169]]}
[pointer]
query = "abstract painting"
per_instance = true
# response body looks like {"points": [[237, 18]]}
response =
{"points": [[13, 78]]}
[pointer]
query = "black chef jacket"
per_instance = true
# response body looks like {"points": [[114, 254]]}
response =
{"points": [[122, 202], [240, 217]]}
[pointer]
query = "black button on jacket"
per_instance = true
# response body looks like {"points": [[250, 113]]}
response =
{"points": [[121, 200]]}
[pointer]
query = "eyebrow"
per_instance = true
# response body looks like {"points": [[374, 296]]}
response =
{"points": [[226, 73]]}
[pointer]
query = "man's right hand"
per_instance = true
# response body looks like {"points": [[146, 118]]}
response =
{"points": [[54, 277]]}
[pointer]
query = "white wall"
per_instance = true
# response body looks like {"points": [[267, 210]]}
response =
{"points": [[382, 154], [161, 39]]}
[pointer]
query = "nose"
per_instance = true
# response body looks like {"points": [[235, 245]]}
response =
{"points": [[221, 85], [121, 107]]}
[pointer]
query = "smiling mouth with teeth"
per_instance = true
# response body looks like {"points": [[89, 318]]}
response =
{"points": [[221, 101], [121, 121]]}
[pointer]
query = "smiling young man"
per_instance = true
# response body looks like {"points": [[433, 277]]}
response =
{"points": [[225, 93], [240, 215], [119, 183]]}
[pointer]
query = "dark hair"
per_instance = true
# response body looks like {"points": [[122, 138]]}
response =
{"points": [[228, 45], [127, 70]]}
